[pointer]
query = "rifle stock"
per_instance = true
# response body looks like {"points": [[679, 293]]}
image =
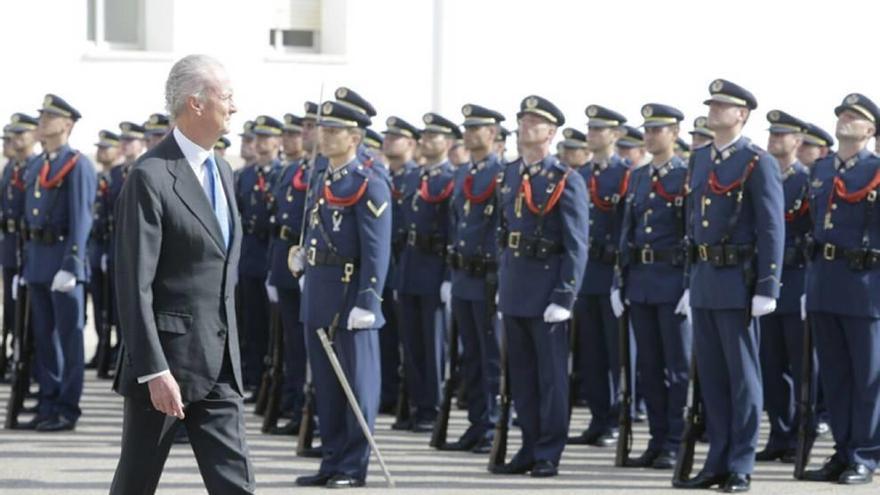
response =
{"points": [[693, 428], [276, 375], [102, 359], [624, 443], [441, 426], [806, 407], [21, 364], [498, 454], [307, 425]]}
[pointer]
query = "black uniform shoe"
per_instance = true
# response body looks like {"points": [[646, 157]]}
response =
{"points": [[585, 438], [666, 460], [460, 444], [768, 454], [512, 467], [423, 426], [644, 460], [483, 446], [607, 439], [291, 428], [319, 479], [344, 481], [544, 469], [737, 483], [33, 423], [59, 423], [702, 480], [403, 425], [830, 471], [857, 474], [251, 399]]}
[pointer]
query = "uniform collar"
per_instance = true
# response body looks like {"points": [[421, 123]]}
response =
{"points": [[790, 170], [841, 165], [662, 170], [435, 169], [724, 152], [335, 175], [55, 154]]}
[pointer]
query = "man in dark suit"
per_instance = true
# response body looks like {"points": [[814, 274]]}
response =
{"points": [[177, 249]]}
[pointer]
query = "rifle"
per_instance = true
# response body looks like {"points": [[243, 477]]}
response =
{"points": [[266, 380], [624, 443], [276, 374], [499, 443], [574, 379], [102, 357], [806, 407], [4, 345], [695, 425], [21, 358], [307, 424], [402, 420], [441, 426]]}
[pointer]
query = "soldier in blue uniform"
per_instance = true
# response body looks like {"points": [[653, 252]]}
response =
{"points": [[370, 158], [57, 220], [843, 279], [736, 226], [21, 139], [346, 258], [682, 149], [606, 176], [575, 152], [631, 146], [373, 141], [701, 135], [398, 146], [253, 186], [288, 198], [817, 144], [422, 276], [222, 146], [650, 280], [543, 253], [155, 129], [108, 154], [473, 247], [246, 148], [782, 332], [500, 147]]}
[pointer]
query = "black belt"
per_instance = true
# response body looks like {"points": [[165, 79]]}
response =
{"points": [[648, 256], [433, 244], [723, 255], [533, 247], [856, 258], [602, 253], [285, 233], [328, 258], [45, 235], [794, 257], [474, 266]]}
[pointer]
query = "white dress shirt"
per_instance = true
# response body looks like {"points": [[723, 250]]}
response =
{"points": [[195, 155]]}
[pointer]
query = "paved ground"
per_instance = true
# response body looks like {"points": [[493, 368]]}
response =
{"points": [[83, 461]]}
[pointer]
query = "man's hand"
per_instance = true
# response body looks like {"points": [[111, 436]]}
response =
{"points": [[763, 305], [445, 292], [165, 395], [271, 292], [556, 314], [64, 281], [104, 263], [617, 305], [360, 318]]}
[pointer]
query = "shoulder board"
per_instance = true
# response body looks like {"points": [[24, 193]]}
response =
{"points": [[754, 148], [363, 171]]}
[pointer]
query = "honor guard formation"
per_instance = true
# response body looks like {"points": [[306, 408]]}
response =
{"points": [[695, 284]]}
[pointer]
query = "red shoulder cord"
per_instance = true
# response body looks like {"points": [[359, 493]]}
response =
{"points": [[526, 190], [17, 181], [47, 183], [477, 198], [103, 187], [792, 214], [602, 204], [657, 187], [297, 182], [444, 194], [719, 189], [841, 192], [345, 201]]}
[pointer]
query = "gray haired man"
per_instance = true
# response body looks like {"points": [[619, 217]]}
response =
{"points": [[177, 249]]}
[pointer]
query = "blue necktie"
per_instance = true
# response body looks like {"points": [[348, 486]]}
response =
{"points": [[217, 199]]}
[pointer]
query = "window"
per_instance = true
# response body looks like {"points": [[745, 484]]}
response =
{"points": [[116, 24], [295, 26]]}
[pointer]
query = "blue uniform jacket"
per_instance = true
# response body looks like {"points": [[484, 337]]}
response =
{"points": [[653, 220], [398, 228], [760, 224], [12, 207], [252, 192], [288, 201], [796, 188], [65, 210], [474, 224], [832, 286], [360, 232], [527, 285]]}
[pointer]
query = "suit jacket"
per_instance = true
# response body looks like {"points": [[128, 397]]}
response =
{"points": [[175, 279]]}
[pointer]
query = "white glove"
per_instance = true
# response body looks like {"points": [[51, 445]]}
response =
{"points": [[302, 283], [556, 313], [803, 307], [684, 305], [271, 292], [64, 281], [15, 281], [763, 305], [617, 305], [360, 318], [297, 263], [104, 263], [498, 313], [445, 292]]}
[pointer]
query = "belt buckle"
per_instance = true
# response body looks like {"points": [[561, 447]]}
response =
{"points": [[829, 252], [310, 255], [411, 237], [647, 256], [284, 233], [347, 272], [703, 252], [513, 240], [10, 225]]}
